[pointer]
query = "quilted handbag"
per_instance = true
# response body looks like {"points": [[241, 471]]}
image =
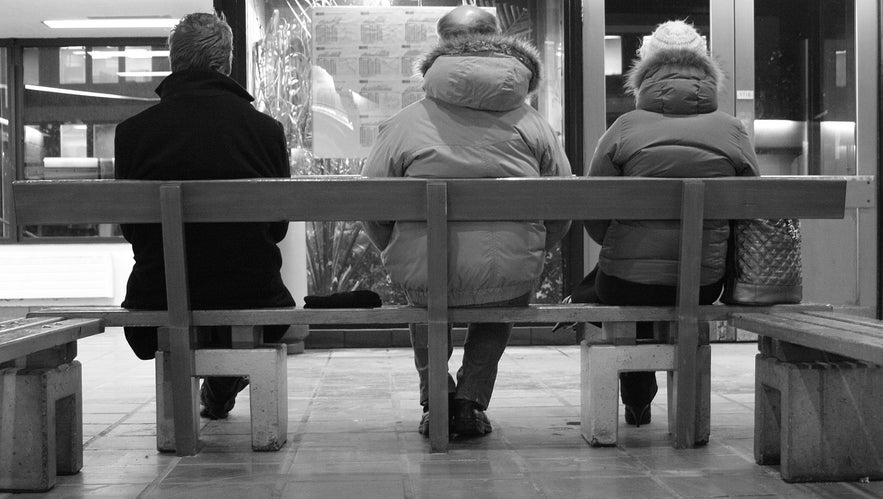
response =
{"points": [[763, 263]]}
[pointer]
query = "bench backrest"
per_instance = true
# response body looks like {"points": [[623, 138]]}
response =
{"points": [[174, 203], [115, 201]]}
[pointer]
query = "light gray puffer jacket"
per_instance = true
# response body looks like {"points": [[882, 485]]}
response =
{"points": [[473, 123]]}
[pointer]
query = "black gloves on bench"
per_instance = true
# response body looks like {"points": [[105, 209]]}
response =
{"points": [[361, 298]]}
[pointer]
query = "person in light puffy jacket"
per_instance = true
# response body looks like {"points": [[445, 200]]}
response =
{"points": [[676, 131], [473, 123]]}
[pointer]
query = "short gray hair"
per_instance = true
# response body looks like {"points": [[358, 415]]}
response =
{"points": [[201, 41], [466, 20]]}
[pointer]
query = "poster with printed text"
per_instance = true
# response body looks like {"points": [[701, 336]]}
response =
{"points": [[364, 71]]}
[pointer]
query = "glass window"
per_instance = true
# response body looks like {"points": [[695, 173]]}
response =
{"points": [[105, 64], [805, 87], [74, 97], [332, 74], [71, 65]]}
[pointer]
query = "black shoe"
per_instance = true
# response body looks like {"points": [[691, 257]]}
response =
{"points": [[223, 388], [470, 420], [423, 427], [637, 416]]}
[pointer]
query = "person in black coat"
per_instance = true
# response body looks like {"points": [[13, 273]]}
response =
{"points": [[204, 127]]}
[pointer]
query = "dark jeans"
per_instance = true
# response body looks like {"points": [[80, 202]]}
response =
{"points": [[636, 388], [482, 350]]}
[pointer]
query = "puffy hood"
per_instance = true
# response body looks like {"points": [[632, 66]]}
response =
{"points": [[676, 82], [489, 72]]}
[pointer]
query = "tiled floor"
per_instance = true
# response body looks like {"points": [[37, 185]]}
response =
{"points": [[353, 418]]}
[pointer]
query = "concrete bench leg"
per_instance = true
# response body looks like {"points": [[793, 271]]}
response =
{"points": [[599, 401], [266, 369], [41, 426], [819, 420]]}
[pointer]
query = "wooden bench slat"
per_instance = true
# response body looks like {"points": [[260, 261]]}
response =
{"points": [[19, 342], [401, 314], [14, 324], [385, 315], [783, 327], [649, 198], [116, 201], [852, 319], [837, 323]]}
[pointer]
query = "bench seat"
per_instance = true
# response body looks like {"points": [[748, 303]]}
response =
{"points": [[402, 314], [603, 354], [818, 397], [41, 407]]}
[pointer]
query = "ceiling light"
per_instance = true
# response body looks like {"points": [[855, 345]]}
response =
{"points": [[112, 22], [149, 74], [128, 53]]}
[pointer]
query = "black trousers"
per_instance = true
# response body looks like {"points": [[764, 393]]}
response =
{"points": [[637, 389]]}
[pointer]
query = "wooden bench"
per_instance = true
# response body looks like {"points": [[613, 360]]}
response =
{"points": [[818, 394], [438, 202], [41, 406]]}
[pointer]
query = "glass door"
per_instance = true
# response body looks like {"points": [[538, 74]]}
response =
{"points": [[810, 115]]}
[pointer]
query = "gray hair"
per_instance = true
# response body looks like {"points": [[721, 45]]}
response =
{"points": [[466, 20], [201, 41]]}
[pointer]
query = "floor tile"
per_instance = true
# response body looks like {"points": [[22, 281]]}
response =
{"points": [[353, 415]]}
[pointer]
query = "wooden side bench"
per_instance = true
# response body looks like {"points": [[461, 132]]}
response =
{"points": [[818, 394], [438, 202], [41, 406]]}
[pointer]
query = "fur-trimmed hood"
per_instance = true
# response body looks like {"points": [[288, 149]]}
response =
{"points": [[683, 80], [492, 72]]}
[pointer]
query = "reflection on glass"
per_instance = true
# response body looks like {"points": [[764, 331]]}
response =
{"points": [[105, 64], [805, 87], [31, 58], [73, 140], [139, 64], [72, 65], [612, 55]]}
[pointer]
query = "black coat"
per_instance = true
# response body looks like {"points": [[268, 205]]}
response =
{"points": [[205, 127]]}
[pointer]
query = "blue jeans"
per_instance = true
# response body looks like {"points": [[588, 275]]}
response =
{"points": [[484, 346]]}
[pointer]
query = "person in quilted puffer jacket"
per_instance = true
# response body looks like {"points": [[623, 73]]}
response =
{"points": [[676, 131]]}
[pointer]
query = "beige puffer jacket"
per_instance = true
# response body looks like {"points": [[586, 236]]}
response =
{"points": [[473, 123]]}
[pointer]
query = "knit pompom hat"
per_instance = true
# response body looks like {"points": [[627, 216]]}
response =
{"points": [[672, 35]]}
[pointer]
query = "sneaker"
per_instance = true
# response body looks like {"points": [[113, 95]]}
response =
{"points": [[470, 420], [208, 395]]}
